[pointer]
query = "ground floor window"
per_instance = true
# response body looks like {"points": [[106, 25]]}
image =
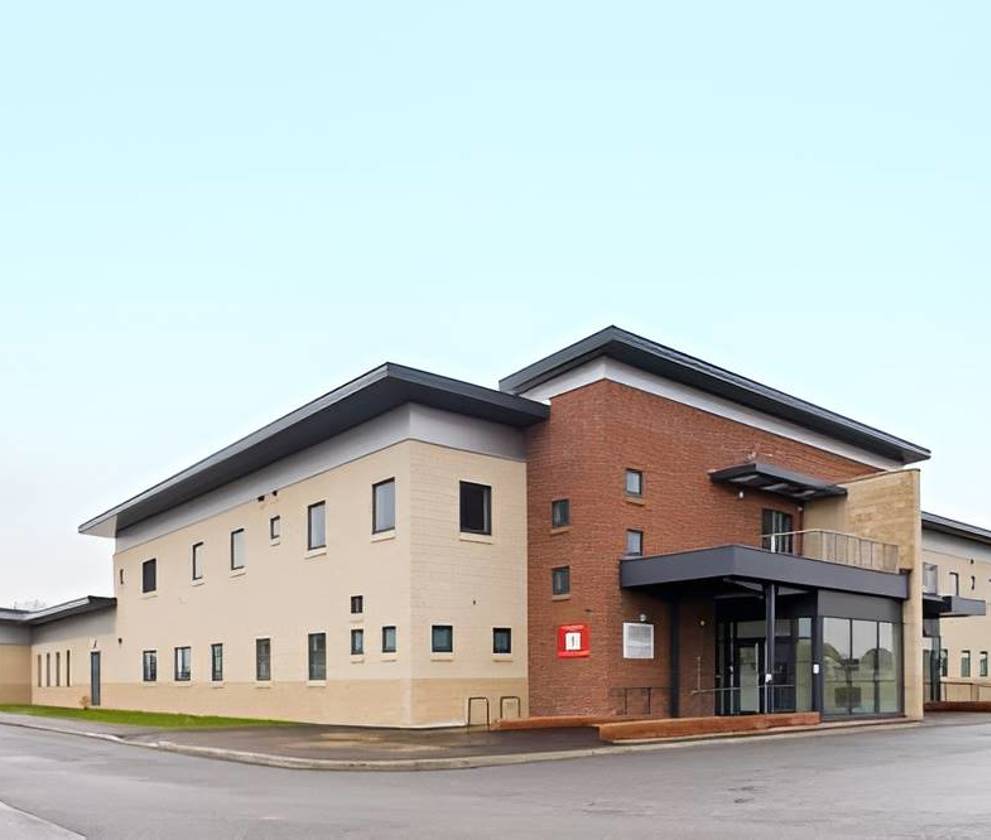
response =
{"points": [[183, 658], [983, 664], [217, 662], [263, 660], [149, 665], [862, 666], [317, 646]]}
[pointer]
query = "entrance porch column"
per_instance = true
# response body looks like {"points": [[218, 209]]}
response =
{"points": [[770, 636]]}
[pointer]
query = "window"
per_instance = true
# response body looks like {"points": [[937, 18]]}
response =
{"points": [[638, 640], [634, 483], [183, 664], [120, 576], [384, 506], [317, 647], [316, 526], [862, 667], [48, 670], [68, 669], [944, 663], [442, 638], [357, 604], [58, 668], [476, 508], [275, 528], [263, 660], [965, 664], [954, 583], [561, 580], [973, 583], [389, 639], [217, 662], [357, 642], [634, 543], [983, 664], [560, 513], [149, 573], [149, 666], [237, 549], [776, 531], [198, 561], [39, 670], [502, 640]]}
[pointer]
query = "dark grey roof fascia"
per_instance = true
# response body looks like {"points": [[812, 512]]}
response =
{"points": [[78, 606], [766, 475], [944, 525], [747, 563], [386, 387], [655, 358]]}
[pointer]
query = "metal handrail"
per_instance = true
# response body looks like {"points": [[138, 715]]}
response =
{"points": [[835, 547]]}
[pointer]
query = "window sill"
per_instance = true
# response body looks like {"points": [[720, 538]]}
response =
{"points": [[146, 595], [502, 657], [182, 683], [149, 683], [197, 582], [316, 683], [357, 618], [475, 538], [388, 657], [276, 541], [315, 552], [561, 529], [636, 500], [382, 536], [442, 657], [564, 597], [216, 683], [238, 572], [357, 657], [263, 683]]}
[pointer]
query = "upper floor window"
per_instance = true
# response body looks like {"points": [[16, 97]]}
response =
{"points": [[237, 549], [149, 575], [183, 664], [275, 529], [149, 665], [316, 525], [502, 640], [263, 660], [442, 638], [384, 506], [634, 543], [357, 604], [317, 656], [561, 580], [389, 639], [560, 513], [357, 642], [476, 508], [954, 583], [198, 561], [777, 531], [634, 483]]}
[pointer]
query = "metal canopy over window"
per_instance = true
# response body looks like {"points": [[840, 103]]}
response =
{"points": [[774, 479]]}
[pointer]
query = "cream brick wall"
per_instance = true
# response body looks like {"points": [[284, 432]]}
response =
{"points": [[15, 673], [421, 573]]}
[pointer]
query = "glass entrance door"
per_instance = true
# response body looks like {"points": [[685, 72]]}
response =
{"points": [[749, 670]]}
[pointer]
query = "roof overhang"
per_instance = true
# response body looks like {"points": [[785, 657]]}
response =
{"points": [[79, 606], [944, 525], [665, 362], [952, 606], [774, 479], [376, 392], [740, 562]]}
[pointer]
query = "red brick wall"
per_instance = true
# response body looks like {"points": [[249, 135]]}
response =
{"points": [[581, 453]]}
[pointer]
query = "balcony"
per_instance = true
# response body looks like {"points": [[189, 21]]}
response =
{"points": [[835, 547]]}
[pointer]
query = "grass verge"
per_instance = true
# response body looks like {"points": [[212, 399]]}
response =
{"points": [[153, 720]]}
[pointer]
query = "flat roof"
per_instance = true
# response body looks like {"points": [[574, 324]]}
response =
{"points": [[381, 389], [623, 346], [945, 525], [78, 606]]}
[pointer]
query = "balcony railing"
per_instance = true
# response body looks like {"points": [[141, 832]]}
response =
{"points": [[835, 547]]}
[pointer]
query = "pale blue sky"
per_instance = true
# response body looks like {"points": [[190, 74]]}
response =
{"points": [[211, 213]]}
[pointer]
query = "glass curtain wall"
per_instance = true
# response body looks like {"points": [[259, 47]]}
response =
{"points": [[862, 664]]}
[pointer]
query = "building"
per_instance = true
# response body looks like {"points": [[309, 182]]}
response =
{"points": [[619, 529]]}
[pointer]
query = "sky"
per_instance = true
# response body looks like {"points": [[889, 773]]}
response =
{"points": [[212, 213]]}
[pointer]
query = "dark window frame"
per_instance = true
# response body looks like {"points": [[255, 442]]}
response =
{"points": [[375, 506], [263, 661], [982, 664], [557, 506], [274, 528], [386, 647], [235, 566], [187, 674], [310, 544], [152, 564], [359, 602], [217, 662], [559, 574], [486, 525], [502, 637], [68, 669], [776, 521], [196, 559], [58, 669], [149, 666], [357, 641], [316, 657], [966, 664], [449, 647]]}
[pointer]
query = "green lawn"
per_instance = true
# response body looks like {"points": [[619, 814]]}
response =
{"points": [[154, 720]]}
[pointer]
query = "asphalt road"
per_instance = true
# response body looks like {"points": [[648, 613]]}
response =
{"points": [[932, 782]]}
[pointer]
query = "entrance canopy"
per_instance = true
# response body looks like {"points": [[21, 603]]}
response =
{"points": [[774, 479], [951, 606], [743, 563]]}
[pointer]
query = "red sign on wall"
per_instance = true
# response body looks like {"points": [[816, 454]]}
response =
{"points": [[572, 640]]}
